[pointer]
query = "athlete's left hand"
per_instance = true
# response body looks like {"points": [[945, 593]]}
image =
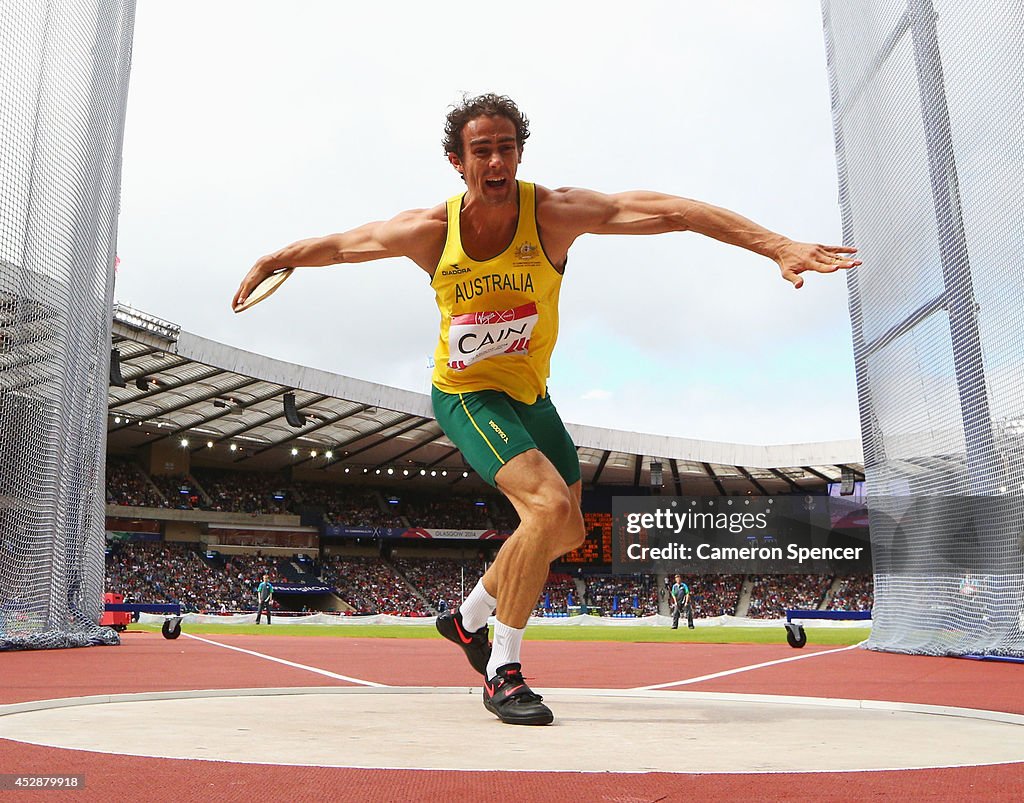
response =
{"points": [[795, 258]]}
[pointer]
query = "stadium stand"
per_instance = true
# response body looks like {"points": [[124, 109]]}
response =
{"points": [[853, 594], [451, 512], [173, 572], [371, 586], [347, 507], [147, 571], [773, 594], [176, 572], [128, 485], [627, 595], [554, 599], [441, 580], [243, 492], [179, 490], [714, 594]]}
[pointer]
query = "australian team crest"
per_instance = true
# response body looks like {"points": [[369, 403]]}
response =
{"points": [[526, 250]]}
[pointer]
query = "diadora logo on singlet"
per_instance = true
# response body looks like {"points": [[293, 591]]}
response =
{"points": [[454, 271]]}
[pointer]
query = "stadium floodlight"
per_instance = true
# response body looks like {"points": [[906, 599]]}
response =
{"points": [[433, 473], [184, 442], [465, 474], [144, 322], [295, 452], [423, 472], [209, 444], [328, 454], [312, 452], [444, 473], [117, 419], [346, 469], [377, 471], [391, 471], [405, 472], [234, 447]]}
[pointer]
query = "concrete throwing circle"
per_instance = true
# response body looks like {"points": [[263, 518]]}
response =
{"points": [[595, 730]]}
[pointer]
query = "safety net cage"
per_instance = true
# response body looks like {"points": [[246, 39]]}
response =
{"points": [[929, 132], [62, 100]]}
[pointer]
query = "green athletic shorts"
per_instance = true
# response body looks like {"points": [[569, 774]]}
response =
{"points": [[490, 428]]}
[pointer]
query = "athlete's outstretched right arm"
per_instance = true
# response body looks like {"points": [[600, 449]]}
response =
{"points": [[410, 234]]}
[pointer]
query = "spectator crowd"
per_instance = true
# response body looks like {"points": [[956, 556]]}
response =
{"points": [[159, 572], [171, 572], [773, 594], [631, 595], [442, 581], [127, 485], [259, 493], [149, 571], [854, 593], [371, 586]]}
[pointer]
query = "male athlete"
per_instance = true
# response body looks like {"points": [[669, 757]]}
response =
{"points": [[495, 256]]}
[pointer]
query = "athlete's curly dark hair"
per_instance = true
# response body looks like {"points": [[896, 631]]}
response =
{"points": [[489, 105]]}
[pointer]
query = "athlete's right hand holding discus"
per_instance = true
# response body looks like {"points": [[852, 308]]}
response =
{"points": [[496, 254]]}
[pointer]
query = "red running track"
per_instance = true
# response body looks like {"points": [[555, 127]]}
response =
{"points": [[147, 662]]}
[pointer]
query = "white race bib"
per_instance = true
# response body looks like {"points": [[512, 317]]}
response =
{"points": [[476, 336]]}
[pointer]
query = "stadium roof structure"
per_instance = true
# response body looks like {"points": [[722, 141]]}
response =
{"points": [[179, 386]]}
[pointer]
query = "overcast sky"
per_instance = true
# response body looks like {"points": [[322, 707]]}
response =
{"points": [[253, 124]]}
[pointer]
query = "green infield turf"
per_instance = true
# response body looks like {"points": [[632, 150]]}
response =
{"points": [[705, 635]]}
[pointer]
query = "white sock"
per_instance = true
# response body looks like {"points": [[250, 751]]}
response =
{"points": [[477, 607], [505, 649]]}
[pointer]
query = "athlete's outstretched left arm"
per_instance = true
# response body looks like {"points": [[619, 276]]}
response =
{"points": [[572, 212]]}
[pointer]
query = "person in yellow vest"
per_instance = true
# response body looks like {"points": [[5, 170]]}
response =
{"points": [[496, 255]]}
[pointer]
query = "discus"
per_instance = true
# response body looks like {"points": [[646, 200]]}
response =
{"points": [[265, 289]]}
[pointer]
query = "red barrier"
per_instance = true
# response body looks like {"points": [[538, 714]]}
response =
{"points": [[119, 620]]}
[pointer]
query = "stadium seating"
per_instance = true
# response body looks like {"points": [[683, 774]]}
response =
{"points": [[147, 571], [623, 594], [773, 594], [853, 594], [370, 586], [441, 579], [173, 572], [128, 485]]}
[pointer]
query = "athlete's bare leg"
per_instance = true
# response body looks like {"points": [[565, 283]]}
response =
{"points": [[550, 524]]}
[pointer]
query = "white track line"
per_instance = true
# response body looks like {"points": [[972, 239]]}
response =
{"points": [[736, 671], [324, 672]]}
